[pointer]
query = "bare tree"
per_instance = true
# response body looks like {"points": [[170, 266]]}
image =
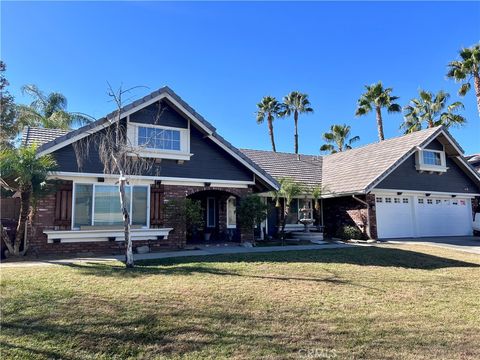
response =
{"points": [[119, 157]]}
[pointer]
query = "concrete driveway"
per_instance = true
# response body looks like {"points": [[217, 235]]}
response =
{"points": [[469, 244]]}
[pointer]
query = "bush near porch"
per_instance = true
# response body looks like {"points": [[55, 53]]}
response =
{"points": [[378, 302]]}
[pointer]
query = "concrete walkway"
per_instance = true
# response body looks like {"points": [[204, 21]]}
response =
{"points": [[201, 251], [470, 244]]}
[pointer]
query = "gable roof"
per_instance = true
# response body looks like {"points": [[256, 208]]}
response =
{"points": [[358, 169], [162, 93], [354, 171], [40, 136]]}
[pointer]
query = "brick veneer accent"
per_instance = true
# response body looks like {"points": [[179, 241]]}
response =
{"points": [[175, 192], [44, 219], [341, 211]]}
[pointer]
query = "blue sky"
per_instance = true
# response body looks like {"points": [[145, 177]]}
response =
{"points": [[222, 58]]}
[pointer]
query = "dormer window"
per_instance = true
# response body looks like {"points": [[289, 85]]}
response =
{"points": [[159, 141], [431, 161], [432, 158]]}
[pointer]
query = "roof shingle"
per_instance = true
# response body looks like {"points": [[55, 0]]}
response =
{"points": [[40, 136]]}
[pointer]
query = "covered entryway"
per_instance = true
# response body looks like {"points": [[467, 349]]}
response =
{"points": [[403, 216], [219, 217]]}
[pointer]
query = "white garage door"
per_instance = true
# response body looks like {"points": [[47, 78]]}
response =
{"points": [[444, 217], [407, 216], [394, 217]]}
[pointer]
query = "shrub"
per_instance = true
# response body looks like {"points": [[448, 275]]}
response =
{"points": [[348, 232], [251, 211]]}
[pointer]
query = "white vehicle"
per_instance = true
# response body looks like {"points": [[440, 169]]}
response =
{"points": [[476, 224]]}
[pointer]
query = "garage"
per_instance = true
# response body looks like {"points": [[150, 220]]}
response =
{"points": [[422, 216]]}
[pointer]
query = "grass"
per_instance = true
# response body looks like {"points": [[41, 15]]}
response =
{"points": [[356, 303]]}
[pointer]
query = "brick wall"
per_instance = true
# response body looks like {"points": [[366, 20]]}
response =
{"points": [[341, 211], [44, 219]]}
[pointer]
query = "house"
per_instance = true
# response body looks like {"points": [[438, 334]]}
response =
{"points": [[415, 185], [474, 160], [411, 186]]}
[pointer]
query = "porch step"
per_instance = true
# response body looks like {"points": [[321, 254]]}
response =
{"points": [[309, 236]]}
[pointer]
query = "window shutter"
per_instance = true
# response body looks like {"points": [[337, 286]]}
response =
{"points": [[156, 196], [63, 205]]}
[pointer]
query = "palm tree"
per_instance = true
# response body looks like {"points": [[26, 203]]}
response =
{"points": [[27, 174], [270, 109], [432, 110], [289, 189], [296, 103], [377, 97], [463, 70], [49, 111], [339, 136]]}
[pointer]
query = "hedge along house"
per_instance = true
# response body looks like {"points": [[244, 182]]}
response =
{"points": [[190, 160], [416, 185]]}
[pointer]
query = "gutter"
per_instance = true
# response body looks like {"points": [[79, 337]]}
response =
{"points": [[368, 214]]}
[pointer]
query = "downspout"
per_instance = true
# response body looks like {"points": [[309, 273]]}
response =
{"points": [[368, 214], [321, 212]]}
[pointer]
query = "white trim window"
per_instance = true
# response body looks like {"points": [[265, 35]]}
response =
{"points": [[99, 205], [431, 160], [158, 138], [159, 141], [231, 212]]}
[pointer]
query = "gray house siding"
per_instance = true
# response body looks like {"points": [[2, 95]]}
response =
{"points": [[434, 145], [208, 161], [165, 116], [406, 177]]}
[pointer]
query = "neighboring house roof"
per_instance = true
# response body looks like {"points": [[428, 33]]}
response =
{"points": [[474, 160], [167, 93], [353, 171], [40, 136], [306, 169]]}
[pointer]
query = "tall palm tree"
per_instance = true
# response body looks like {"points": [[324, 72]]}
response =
{"points": [[432, 110], [377, 97], [339, 135], [269, 108], [296, 103], [27, 174], [465, 69], [49, 111]]}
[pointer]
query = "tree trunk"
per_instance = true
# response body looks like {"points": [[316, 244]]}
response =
{"points": [[378, 111], [6, 239], [126, 223], [270, 131], [31, 216], [476, 83], [295, 119], [24, 210], [286, 210]]}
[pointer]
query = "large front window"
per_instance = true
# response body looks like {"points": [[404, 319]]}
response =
{"points": [[99, 205], [159, 139]]}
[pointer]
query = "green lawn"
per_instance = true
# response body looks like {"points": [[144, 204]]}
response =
{"points": [[357, 303]]}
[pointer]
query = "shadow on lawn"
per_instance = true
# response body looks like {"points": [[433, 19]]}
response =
{"points": [[363, 256], [158, 333], [368, 256]]}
